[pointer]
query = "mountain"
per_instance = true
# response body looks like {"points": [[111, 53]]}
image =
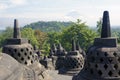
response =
{"points": [[48, 26]]}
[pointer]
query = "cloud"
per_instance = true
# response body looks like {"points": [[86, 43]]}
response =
{"points": [[73, 14], [11, 3], [3, 6], [18, 2]]}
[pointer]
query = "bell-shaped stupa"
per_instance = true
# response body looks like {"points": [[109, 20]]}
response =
{"points": [[103, 57]]}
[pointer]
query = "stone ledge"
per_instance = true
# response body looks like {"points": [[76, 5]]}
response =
{"points": [[16, 41], [106, 42]]}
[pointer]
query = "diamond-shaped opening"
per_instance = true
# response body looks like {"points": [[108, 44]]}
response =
{"points": [[81, 66], [116, 66], [85, 68], [73, 66], [92, 59], [91, 71], [9, 50], [76, 61], [27, 49], [119, 72], [72, 61], [97, 53], [12, 54], [30, 53], [15, 50], [105, 54], [119, 59], [25, 54], [21, 50], [28, 57], [105, 66], [110, 60], [22, 59], [31, 61], [25, 62], [110, 73], [101, 60], [100, 72], [115, 54], [19, 54], [96, 66], [77, 66], [34, 56], [80, 61]]}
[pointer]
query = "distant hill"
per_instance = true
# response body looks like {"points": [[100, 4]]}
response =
{"points": [[49, 26]]}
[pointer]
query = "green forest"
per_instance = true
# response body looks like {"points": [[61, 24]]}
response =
{"points": [[50, 26], [44, 34]]}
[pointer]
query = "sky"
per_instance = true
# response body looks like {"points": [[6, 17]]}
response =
{"points": [[28, 11]]}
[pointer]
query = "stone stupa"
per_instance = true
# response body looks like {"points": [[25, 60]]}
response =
{"points": [[19, 48], [18, 60], [74, 60], [103, 58]]}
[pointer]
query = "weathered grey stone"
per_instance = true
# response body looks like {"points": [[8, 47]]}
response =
{"points": [[60, 51], [56, 76], [60, 57], [57, 54], [19, 48], [73, 45], [74, 60], [106, 31], [16, 33], [23, 52], [103, 58], [37, 53], [54, 48], [10, 69], [105, 42], [78, 48], [40, 71], [48, 63]]}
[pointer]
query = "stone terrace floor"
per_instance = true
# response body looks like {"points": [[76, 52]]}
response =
{"points": [[56, 76]]}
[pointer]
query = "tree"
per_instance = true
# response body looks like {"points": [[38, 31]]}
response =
{"points": [[41, 37], [37, 38], [54, 37], [79, 32], [99, 26], [29, 34], [6, 34]]}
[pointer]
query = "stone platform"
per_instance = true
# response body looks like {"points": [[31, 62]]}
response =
{"points": [[54, 74]]}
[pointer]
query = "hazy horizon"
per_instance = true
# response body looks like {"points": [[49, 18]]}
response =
{"points": [[10, 23]]}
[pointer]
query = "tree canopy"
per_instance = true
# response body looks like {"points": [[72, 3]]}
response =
{"points": [[50, 26], [79, 32], [99, 26], [8, 33], [29, 33]]}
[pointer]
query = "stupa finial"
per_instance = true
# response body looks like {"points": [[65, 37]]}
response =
{"points": [[16, 33], [106, 31], [73, 45]]}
